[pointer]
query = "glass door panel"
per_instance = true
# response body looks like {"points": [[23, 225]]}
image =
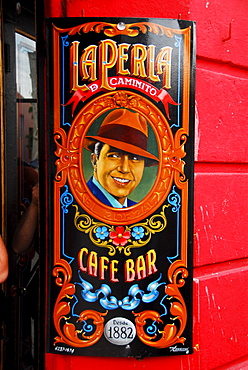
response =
{"points": [[27, 130]]}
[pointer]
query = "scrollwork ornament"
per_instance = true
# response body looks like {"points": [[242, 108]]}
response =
{"points": [[66, 200], [132, 30], [175, 200], [171, 333], [119, 237], [65, 42], [68, 157], [66, 329]]}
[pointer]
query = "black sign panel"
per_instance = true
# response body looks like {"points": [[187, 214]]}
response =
{"points": [[121, 168]]}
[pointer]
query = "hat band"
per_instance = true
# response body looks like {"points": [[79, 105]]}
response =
{"points": [[124, 134]]}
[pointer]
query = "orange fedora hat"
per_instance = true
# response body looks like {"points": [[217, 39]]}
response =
{"points": [[124, 130]]}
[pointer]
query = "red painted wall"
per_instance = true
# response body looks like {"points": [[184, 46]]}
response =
{"points": [[221, 175]]}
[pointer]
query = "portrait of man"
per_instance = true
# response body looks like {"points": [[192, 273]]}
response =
{"points": [[119, 155]]}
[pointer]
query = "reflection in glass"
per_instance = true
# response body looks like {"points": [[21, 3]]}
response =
{"points": [[25, 67], [26, 94]]}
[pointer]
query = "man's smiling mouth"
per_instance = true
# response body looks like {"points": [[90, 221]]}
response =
{"points": [[121, 181]]}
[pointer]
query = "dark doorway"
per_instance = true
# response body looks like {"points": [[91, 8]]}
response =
{"points": [[21, 329]]}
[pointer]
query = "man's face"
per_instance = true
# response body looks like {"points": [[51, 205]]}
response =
{"points": [[118, 172]]}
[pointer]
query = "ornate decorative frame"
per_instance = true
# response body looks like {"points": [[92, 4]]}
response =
{"points": [[171, 171]]}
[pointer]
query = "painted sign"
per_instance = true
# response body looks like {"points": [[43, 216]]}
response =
{"points": [[121, 168]]}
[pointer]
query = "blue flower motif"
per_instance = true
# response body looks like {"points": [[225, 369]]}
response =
{"points": [[101, 232], [138, 232]]}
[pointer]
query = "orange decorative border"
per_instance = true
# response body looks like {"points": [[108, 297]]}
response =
{"points": [[131, 29], [70, 166]]}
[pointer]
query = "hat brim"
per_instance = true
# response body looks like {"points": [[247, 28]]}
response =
{"points": [[150, 159]]}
